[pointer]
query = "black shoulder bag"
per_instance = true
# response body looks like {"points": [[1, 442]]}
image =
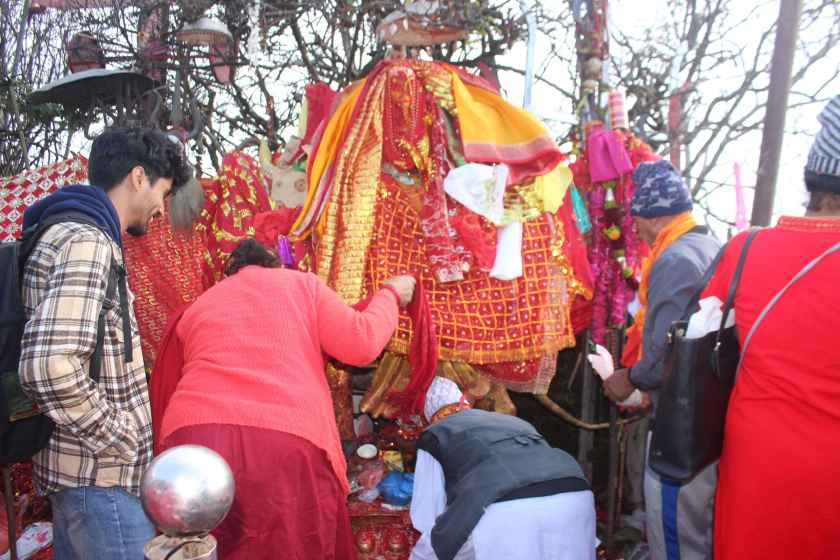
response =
{"points": [[699, 377]]}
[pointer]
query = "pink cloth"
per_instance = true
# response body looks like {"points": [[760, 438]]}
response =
{"points": [[608, 159], [254, 348]]}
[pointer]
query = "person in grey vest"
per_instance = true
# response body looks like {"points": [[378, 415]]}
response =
{"points": [[487, 485]]}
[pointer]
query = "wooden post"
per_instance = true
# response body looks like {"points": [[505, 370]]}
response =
{"points": [[614, 343], [612, 481], [588, 394], [781, 68]]}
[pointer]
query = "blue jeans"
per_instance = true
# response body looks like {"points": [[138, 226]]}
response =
{"points": [[101, 523]]}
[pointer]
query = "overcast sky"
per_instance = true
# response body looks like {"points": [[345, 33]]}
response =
{"points": [[801, 123]]}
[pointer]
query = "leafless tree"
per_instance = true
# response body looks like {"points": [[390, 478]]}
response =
{"points": [[697, 82], [281, 46], [709, 48], [29, 55]]}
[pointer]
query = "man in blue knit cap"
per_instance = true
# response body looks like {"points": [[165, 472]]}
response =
{"points": [[678, 519]]}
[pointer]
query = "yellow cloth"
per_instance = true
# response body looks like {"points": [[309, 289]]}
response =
{"points": [[679, 226], [485, 118], [323, 157], [494, 131], [552, 187]]}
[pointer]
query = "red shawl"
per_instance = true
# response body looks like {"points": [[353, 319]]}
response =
{"points": [[422, 354]]}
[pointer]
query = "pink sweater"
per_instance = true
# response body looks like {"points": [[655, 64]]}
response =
{"points": [[254, 349]]}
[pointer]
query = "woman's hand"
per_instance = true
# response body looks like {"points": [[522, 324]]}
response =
{"points": [[404, 285]]}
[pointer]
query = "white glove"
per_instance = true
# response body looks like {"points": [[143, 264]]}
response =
{"points": [[602, 362]]}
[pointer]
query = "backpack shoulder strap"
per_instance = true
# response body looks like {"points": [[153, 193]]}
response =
{"points": [[96, 358], [118, 285], [30, 236], [122, 287]]}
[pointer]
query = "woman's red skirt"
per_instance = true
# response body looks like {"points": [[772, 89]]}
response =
{"points": [[288, 501]]}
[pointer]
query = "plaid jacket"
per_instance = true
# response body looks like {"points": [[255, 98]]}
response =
{"points": [[103, 434]]}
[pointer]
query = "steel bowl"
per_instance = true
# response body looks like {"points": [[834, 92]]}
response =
{"points": [[187, 490]]}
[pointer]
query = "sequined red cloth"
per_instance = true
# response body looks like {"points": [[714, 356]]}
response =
{"points": [[231, 201], [168, 269], [479, 320], [18, 192], [164, 273]]}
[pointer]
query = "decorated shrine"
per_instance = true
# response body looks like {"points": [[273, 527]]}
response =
{"points": [[500, 258], [423, 169], [419, 168]]}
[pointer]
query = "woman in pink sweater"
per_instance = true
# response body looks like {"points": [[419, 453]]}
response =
{"points": [[251, 386]]}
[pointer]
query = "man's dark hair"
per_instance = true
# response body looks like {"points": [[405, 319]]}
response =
{"points": [[821, 182], [118, 150], [824, 191], [821, 201], [250, 252]]}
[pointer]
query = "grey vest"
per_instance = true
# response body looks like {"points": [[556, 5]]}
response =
{"points": [[489, 457]]}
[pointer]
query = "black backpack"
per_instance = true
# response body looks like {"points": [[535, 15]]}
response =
{"points": [[23, 429]]}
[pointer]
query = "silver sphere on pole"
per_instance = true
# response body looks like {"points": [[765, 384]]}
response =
{"points": [[187, 490]]}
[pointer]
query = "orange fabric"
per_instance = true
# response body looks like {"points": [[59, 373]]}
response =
{"points": [[494, 131], [324, 155], [679, 226], [253, 355]]}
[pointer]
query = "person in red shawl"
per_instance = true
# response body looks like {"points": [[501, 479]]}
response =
{"points": [[778, 494], [241, 371]]}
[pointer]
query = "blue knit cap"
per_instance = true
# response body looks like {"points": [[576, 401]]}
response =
{"points": [[659, 190]]}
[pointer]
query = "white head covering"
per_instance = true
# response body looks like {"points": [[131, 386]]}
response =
{"points": [[441, 392]]}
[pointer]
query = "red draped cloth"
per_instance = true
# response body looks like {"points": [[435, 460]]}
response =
{"points": [[232, 201], [422, 354], [164, 272], [167, 269], [778, 491]]}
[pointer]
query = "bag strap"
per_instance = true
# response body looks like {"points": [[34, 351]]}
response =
{"points": [[128, 341], [128, 346], [96, 357], [691, 306], [805, 269], [733, 284]]}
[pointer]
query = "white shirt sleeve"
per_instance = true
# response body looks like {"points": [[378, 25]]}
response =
{"points": [[428, 501], [429, 497]]}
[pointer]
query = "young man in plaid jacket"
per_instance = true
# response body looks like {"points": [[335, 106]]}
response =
{"points": [[92, 465]]}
